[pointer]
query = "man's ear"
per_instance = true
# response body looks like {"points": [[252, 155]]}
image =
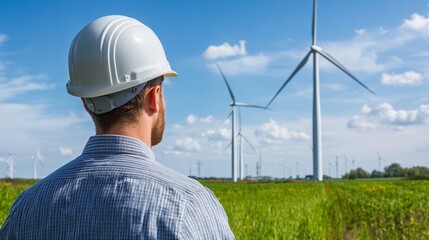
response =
{"points": [[153, 98]]}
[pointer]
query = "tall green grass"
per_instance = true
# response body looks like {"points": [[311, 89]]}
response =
{"points": [[9, 191], [380, 210], [274, 210], [396, 209]]}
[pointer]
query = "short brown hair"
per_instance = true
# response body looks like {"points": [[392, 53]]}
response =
{"points": [[127, 113]]}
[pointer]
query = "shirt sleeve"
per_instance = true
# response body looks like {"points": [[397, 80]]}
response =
{"points": [[205, 218], [6, 230]]}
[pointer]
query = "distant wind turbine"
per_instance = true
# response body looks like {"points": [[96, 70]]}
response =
{"points": [[241, 136], [336, 163], [379, 161], [317, 124], [37, 158], [234, 105], [10, 163]]}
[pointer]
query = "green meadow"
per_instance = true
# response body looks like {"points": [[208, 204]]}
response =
{"points": [[336, 209], [384, 209]]}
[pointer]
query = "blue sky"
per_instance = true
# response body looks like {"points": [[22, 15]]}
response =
{"points": [[257, 44]]}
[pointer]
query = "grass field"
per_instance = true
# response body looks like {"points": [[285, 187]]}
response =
{"points": [[394, 209]]}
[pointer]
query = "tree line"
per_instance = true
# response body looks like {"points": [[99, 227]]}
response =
{"points": [[394, 170]]}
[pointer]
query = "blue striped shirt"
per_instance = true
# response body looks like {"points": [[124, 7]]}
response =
{"points": [[116, 190]]}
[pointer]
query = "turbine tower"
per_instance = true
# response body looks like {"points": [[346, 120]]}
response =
{"points": [[317, 122], [234, 105], [10, 163], [37, 158], [379, 161], [241, 136]]}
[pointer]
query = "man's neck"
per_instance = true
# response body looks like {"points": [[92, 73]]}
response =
{"points": [[133, 130]]}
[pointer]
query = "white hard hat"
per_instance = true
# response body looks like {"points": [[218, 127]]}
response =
{"points": [[112, 55]]}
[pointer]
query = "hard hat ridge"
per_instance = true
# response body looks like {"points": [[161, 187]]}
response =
{"points": [[112, 54]]}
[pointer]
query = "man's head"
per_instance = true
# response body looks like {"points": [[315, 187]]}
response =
{"points": [[143, 104], [116, 65]]}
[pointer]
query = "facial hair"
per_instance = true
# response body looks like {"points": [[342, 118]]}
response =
{"points": [[158, 128]]}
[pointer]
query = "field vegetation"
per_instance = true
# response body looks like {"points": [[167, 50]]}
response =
{"points": [[366, 209], [333, 209]]}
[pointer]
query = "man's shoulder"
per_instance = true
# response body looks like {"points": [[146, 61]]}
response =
{"points": [[177, 181]]}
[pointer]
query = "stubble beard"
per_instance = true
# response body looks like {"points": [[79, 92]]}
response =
{"points": [[158, 128]]}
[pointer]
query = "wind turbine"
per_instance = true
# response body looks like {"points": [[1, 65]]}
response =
{"points": [[234, 105], [9, 161], [379, 161], [336, 163], [241, 136], [317, 124], [37, 158]]}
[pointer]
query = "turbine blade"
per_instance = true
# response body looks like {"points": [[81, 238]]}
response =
{"points": [[300, 65], [38, 154], [214, 133], [245, 138], [227, 146], [227, 85], [249, 105], [330, 58], [314, 27], [41, 163]]}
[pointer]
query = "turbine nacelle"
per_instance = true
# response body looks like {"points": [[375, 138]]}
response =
{"points": [[315, 48]]}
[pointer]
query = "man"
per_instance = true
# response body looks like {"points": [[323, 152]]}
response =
{"points": [[115, 189]]}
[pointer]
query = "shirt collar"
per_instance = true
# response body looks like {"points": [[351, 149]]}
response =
{"points": [[114, 144]]}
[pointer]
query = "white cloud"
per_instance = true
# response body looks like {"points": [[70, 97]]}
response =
{"points": [[187, 144], [24, 117], [406, 78], [207, 119], [177, 126], [191, 119], [359, 54], [361, 31], [256, 64], [220, 134], [417, 23], [385, 114], [382, 31], [370, 51], [9, 88], [3, 38], [225, 50], [360, 122], [271, 132], [185, 147], [65, 151]]}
